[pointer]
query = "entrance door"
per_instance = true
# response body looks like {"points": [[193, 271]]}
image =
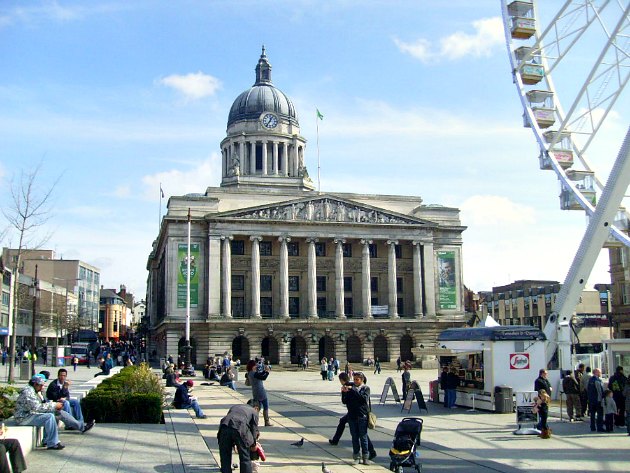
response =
{"points": [[298, 347], [406, 343], [240, 349], [381, 350], [269, 350], [354, 349]]}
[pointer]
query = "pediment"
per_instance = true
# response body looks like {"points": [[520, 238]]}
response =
{"points": [[322, 209]]}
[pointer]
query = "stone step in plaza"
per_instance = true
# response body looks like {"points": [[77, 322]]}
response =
{"points": [[302, 405]]}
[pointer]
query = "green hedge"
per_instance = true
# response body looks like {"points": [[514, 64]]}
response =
{"points": [[133, 396], [7, 402]]}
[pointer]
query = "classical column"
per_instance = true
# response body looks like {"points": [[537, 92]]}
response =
{"points": [[312, 279], [264, 157], [252, 158], [285, 159], [226, 276], [275, 158], [224, 166], [429, 278], [255, 276], [392, 293], [339, 289], [241, 153], [366, 288], [417, 279], [284, 277], [214, 277]]}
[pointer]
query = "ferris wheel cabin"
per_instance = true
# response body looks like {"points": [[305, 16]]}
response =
{"points": [[522, 21], [530, 65], [560, 148], [542, 106], [584, 182]]}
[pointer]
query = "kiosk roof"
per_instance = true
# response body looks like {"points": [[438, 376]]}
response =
{"points": [[512, 332]]}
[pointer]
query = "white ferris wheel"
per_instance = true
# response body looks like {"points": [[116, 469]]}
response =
{"points": [[588, 41]]}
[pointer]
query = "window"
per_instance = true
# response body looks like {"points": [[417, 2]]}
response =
{"points": [[347, 283], [294, 306], [398, 251], [294, 283], [238, 307], [238, 282], [266, 306], [265, 248], [400, 306], [625, 296], [374, 283], [373, 252], [265, 282], [321, 306], [320, 249], [347, 306], [374, 301], [347, 250], [399, 285], [321, 283], [293, 248], [238, 247]]}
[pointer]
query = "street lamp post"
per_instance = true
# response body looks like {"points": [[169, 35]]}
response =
{"points": [[35, 293]]}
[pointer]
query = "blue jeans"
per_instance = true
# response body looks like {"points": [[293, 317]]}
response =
{"points": [[450, 397], [194, 405], [49, 422], [596, 411], [69, 421], [73, 407], [358, 430]]}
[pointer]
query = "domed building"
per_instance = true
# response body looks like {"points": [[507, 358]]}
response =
{"points": [[280, 270]]}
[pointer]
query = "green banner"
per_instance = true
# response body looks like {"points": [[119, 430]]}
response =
{"points": [[182, 251], [447, 290]]}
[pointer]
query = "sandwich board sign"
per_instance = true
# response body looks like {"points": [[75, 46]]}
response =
{"points": [[389, 383], [526, 418]]}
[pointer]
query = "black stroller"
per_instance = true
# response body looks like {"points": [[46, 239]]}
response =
{"points": [[404, 451]]}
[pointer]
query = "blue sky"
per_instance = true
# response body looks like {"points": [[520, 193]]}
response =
{"points": [[117, 97]]}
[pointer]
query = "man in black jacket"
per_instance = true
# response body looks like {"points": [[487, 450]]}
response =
{"points": [[58, 391], [542, 382], [239, 428], [183, 399]]}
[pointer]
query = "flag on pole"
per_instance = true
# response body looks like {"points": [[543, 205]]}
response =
{"points": [[161, 191], [319, 115]]}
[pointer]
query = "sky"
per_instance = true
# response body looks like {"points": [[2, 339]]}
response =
{"points": [[112, 98]]}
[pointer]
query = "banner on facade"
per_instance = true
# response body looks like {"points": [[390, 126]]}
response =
{"points": [[182, 254], [447, 291]]}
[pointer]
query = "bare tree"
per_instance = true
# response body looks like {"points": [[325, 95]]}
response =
{"points": [[28, 210]]}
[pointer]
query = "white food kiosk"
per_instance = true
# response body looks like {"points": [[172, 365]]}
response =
{"points": [[493, 363]]}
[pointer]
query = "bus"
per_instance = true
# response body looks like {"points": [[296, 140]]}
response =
{"points": [[80, 349]]}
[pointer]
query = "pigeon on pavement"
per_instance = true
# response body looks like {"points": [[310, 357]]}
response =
{"points": [[325, 469], [298, 443]]}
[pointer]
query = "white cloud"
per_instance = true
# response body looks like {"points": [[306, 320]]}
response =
{"points": [[484, 210], [487, 35], [122, 191], [193, 86], [177, 182]]}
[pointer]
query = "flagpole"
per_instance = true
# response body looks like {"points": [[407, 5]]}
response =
{"points": [[160, 215], [319, 188]]}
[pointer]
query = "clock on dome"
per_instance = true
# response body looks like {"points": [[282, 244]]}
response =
{"points": [[269, 120]]}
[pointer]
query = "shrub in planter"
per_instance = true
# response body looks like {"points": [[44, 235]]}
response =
{"points": [[8, 395], [135, 395]]}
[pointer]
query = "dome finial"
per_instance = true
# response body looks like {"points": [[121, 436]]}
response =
{"points": [[263, 69]]}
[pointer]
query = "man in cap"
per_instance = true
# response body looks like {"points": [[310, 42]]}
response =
{"points": [[29, 410], [183, 399]]}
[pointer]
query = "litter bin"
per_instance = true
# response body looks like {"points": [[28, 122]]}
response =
{"points": [[25, 369], [503, 402], [434, 390]]}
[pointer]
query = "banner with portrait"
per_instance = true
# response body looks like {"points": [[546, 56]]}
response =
{"points": [[447, 289]]}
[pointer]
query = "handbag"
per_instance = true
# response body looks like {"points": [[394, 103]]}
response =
{"points": [[371, 417]]}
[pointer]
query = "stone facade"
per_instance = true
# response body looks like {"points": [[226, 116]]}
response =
{"points": [[281, 270]]}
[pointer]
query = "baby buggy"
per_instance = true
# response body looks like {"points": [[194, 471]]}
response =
{"points": [[404, 451]]}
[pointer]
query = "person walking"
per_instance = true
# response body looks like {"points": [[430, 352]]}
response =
{"points": [[595, 392], [377, 366], [571, 390], [398, 364], [257, 374], [357, 400], [406, 379], [239, 428], [344, 379], [75, 362], [323, 368]]}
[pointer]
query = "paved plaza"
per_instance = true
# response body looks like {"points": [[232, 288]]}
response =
{"points": [[305, 406]]}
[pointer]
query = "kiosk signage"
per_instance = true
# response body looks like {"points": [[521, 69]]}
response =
{"points": [[526, 419]]}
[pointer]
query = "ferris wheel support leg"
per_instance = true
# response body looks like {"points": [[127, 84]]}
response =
{"points": [[558, 327]]}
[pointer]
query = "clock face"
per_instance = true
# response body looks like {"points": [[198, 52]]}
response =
{"points": [[269, 120]]}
